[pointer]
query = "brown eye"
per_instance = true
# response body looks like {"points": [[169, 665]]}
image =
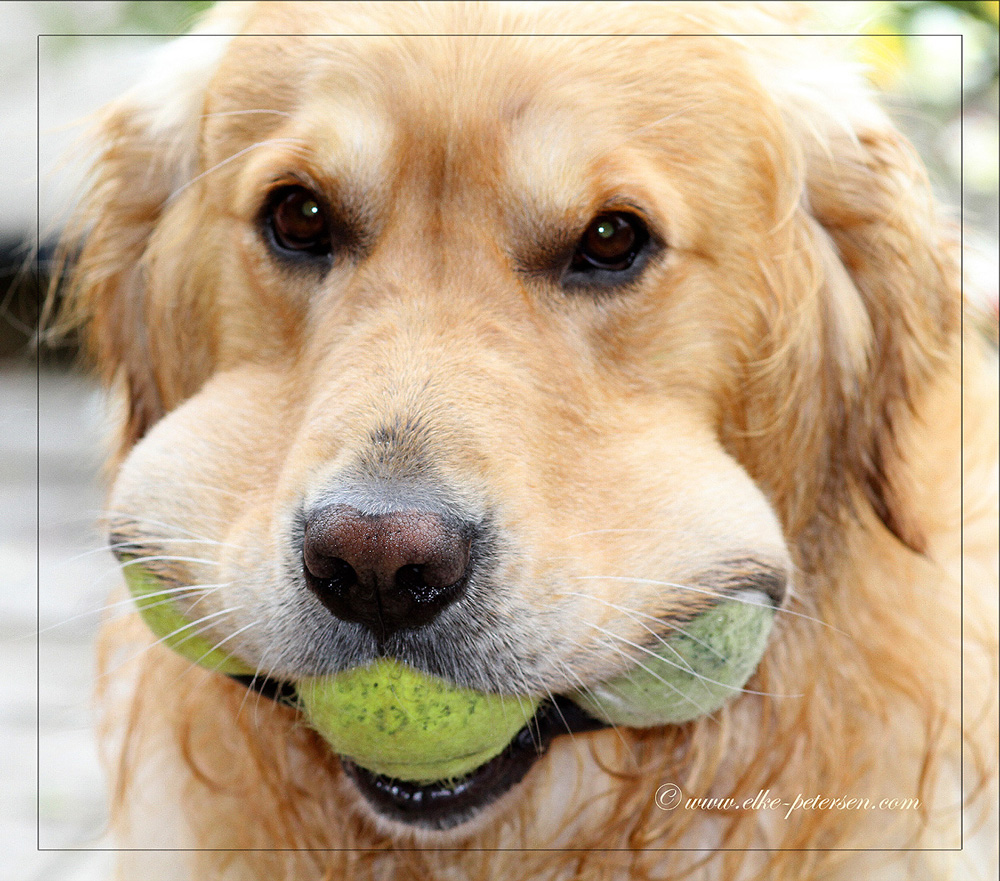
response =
{"points": [[297, 222], [611, 243]]}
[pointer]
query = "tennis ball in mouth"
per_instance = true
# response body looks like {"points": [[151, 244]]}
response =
{"points": [[693, 672], [160, 612], [394, 720]]}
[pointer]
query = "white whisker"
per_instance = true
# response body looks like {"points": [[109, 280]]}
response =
{"points": [[130, 601], [653, 673], [203, 593], [582, 686], [126, 544], [245, 113], [713, 593], [139, 561], [683, 666], [259, 674], [527, 717], [198, 621], [174, 529], [229, 159], [163, 639], [635, 615], [226, 639], [626, 531], [687, 668]]}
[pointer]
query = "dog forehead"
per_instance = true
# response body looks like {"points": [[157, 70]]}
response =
{"points": [[445, 80], [468, 50], [478, 109], [463, 109], [484, 68], [546, 102]]}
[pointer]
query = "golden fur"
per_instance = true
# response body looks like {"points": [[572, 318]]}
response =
{"points": [[786, 378]]}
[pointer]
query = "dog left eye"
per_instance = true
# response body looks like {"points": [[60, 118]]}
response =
{"points": [[297, 222], [610, 243]]}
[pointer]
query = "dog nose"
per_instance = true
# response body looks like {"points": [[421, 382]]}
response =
{"points": [[385, 571]]}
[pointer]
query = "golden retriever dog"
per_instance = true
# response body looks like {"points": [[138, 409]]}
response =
{"points": [[503, 342]]}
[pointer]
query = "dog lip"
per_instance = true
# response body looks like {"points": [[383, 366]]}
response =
{"points": [[446, 804], [278, 690], [443, 805]]}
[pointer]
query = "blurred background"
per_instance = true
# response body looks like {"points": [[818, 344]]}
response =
{"points": [[936, 61]]}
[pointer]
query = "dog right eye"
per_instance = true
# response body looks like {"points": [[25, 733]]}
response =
{"points": [[612, 251], [297, 223], [611, 242]]}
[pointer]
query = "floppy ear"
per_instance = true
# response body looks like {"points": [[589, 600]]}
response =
{"points": [[872, 198], [864, 315], [142, 340]]}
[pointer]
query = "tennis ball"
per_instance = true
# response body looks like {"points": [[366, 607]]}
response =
{"points": [[394, 720], [692, 673], [162, 616]]}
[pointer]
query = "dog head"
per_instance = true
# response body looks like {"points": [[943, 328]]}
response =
{"points": [[500, 355]]}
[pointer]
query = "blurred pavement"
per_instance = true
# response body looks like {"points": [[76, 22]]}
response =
{"points": [[50, 484]]}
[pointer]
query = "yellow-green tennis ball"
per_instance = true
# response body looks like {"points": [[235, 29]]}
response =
{"points": [[162, 616], [692, 673], [394, 720]]}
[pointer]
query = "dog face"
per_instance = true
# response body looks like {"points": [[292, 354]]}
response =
{"points": [[501, 356]]}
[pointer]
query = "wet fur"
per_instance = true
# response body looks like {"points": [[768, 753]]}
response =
{"points": [[805, 338]]}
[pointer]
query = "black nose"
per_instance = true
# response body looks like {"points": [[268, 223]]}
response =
{"points": [[386, 571]]}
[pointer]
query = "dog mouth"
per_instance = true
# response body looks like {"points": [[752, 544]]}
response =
{"points": [[445, 804], [692, 674]]}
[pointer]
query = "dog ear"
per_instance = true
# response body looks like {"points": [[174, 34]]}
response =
{"points": [[144, 342], [871, 198], [877, 307]]}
